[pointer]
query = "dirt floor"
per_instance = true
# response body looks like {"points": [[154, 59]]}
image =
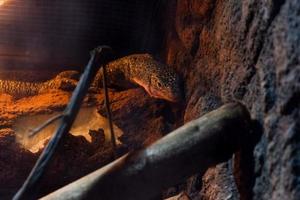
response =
{"points": [[77, 156]]}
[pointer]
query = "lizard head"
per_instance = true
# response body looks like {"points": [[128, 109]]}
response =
{"points": [[159, 80], [165, 86]]}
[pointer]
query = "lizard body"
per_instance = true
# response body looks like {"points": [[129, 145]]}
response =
{"points": [[159, 80], [20, 89]]}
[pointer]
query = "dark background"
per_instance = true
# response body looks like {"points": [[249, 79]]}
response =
{"points": [[60, 33]]}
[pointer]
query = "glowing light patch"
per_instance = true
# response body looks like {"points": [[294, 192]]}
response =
{"points": [[2, 2], [87, 119]]}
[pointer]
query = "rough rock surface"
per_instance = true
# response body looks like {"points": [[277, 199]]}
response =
{"points": [[244, 51], [147, 119]]}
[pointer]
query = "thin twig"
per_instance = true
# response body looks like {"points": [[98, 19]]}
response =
{"points": [[46, 123], [108, 111], [29, 188]]}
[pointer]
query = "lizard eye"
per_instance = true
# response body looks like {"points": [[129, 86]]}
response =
{"points": [[159, 84]]}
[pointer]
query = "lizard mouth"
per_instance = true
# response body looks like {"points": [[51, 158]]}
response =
{"points": [[165, 95], [172, 98], [158, 93]]}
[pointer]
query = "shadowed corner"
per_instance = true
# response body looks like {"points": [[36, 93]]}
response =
{"points": [[244, 162]]}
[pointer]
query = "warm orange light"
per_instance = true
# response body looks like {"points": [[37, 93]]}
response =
{"points": [[2, 2]]}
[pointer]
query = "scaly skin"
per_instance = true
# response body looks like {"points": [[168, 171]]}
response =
{"points": [[19, 89], [159, 80], [143, 70]]}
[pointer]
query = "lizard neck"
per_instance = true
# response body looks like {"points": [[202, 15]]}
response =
{"points": [[119, 73], [130, 69]]}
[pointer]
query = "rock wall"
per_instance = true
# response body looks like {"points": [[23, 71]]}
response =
{"points": [[246, 51]]}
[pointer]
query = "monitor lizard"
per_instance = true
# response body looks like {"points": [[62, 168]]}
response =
{"points": [[158, 80]]}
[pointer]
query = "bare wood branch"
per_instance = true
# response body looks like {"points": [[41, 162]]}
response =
{"points": [[47, 123], [107, 105], [192, 148]]}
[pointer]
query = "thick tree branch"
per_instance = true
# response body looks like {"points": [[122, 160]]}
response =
{"points": [[193, 147]]}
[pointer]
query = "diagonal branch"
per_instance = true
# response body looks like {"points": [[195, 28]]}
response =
{"points": [[45, 124], [190, 149], [99, 56]]}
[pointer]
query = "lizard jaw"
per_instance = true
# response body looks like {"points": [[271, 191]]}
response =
{"points": [[158, 94], [166, 96]]}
